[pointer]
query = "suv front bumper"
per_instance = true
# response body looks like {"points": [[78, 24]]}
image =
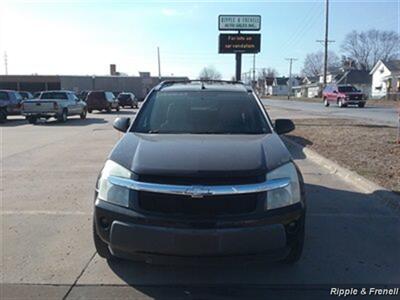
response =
{"points": [[133, 235]]}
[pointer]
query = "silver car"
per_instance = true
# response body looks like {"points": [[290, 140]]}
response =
{"points": [[58, 104]]}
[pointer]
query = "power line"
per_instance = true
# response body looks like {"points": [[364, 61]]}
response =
{"points": [[304, 27]]}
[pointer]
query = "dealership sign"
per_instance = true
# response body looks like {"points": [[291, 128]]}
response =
{"points": [[239, 43], [239, 22]]}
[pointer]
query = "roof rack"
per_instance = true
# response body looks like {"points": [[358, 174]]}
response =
{"points": [[186, 81]]}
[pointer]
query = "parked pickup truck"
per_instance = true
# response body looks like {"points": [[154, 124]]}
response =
{"points": [[58, 104]]}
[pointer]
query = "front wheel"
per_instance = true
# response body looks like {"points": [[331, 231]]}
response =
{"points": [[32, 120], [117, 108], [340, 103], [101, 247], [3, 114], [83, 114], [326, 102], [361, 104], [63, 116]]}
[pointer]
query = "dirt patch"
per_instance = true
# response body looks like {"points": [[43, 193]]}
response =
{"points": [[369, 150]]}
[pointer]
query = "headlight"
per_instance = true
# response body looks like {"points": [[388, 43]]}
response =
{"points": [[283, 196], [110, 192]]}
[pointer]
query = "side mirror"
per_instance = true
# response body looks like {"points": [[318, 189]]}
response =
{"points": [[284, 126], [122, 124]]}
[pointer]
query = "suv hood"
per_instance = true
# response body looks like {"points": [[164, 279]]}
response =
{"points": [[195, 155]]}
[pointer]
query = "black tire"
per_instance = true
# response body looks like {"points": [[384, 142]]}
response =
{"points": [[62, 118], [340, 103], [3, 114], [89, 111], [32, 120], [117, 108], [326, 102], [101, 247], [297, 247], [83, 114], [361, 104], [108, 109]]}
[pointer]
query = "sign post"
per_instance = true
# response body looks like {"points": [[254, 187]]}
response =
{"points": [[239, 43], [238, 66]]}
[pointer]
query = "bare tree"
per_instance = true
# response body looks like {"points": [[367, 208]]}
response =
{"points": [[210, 73], [262, 76], [314, 63], [367, 47], [267, 72]]}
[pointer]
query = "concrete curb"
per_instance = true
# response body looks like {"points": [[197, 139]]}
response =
{"points": [[388, 197]]}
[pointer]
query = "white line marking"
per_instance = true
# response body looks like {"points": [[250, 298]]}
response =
{"points": [[347, 215], [44, 212]]}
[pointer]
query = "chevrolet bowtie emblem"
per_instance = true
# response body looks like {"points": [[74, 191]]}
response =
{"points": [[198, 192]]}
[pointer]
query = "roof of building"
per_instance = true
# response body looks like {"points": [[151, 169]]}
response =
{"points": [[355, 77], [312, 79], [393, 65], [282, 80]]}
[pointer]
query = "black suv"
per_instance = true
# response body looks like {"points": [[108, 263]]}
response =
{"points": [[201, 172], [10, 104], [128, 99]]}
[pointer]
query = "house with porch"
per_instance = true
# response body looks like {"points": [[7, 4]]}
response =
{"points": [[386, 79], [280, 86]]}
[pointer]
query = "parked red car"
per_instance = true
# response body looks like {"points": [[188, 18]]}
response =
{"points": [[343, 95]]}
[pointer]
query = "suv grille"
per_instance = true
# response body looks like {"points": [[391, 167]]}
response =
{"points": [[206, 206], [209, 180], [355, 97]]}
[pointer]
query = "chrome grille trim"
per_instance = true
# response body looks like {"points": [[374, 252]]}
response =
{"points": [[199, 191]]}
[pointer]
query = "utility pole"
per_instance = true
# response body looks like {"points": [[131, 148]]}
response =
{"points": [[159, 63], [6, 63], [326, 40], [290, 59], [254, 71]]}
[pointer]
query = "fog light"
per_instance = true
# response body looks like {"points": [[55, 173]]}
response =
{"points": [[104, 222], [292, 227]]}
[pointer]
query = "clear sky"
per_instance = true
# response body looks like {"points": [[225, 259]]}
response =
{"points": [[84, 37]]}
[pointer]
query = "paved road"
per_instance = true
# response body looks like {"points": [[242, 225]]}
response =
{"points": [[374, 115], [48, 175]]}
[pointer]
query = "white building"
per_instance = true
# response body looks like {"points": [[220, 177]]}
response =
{"points": [[385, 79], [280, 86]]}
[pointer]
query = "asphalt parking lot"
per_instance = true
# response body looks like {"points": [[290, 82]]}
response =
{"points": [[48, 176]]}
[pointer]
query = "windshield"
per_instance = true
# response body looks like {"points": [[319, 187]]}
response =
{"points": [[123, 96], [201, 112], [54, 95], [347, 89], [3, 96]]}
